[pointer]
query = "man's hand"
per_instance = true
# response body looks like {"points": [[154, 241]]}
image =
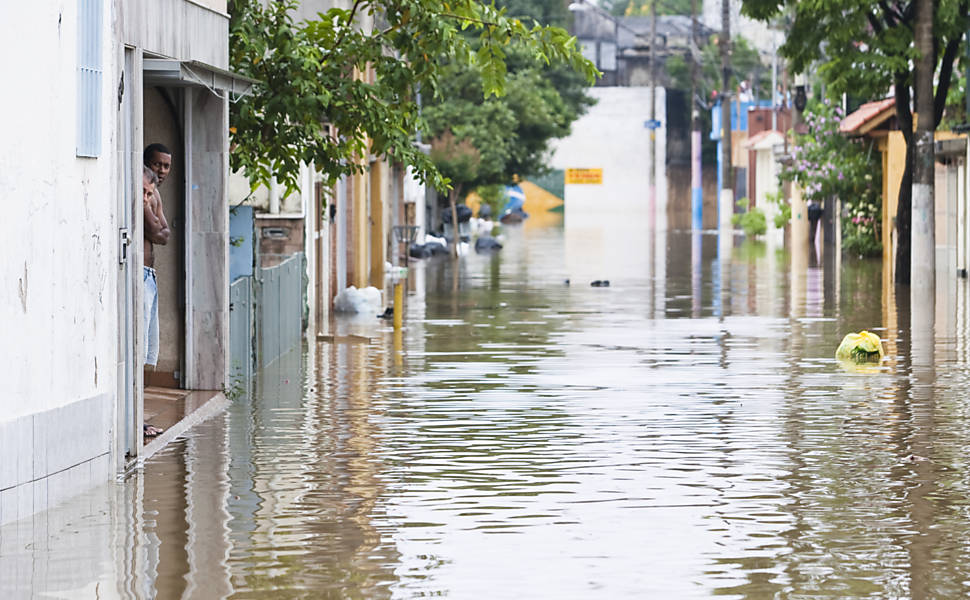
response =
{"points": [[156, 227]]}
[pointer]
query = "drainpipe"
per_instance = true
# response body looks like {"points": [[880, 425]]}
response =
{"points": [[274, 197]]}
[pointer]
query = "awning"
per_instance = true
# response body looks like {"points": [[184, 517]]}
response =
{"points": [[184, 73]]}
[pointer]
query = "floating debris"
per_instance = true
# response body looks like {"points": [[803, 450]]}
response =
{"points": [[862, 347]]}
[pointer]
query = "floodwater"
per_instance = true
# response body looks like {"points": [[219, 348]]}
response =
{"points": [[684, 432]]}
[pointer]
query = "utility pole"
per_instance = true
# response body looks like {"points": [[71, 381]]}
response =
{"points": [[696, 191], [726, 201], [652, 201]]}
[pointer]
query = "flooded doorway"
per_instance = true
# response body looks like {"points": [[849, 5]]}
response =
{"points": [[164, 124]]}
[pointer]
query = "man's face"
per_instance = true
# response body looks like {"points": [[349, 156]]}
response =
{"points": [[147, 190], [161, 163]]}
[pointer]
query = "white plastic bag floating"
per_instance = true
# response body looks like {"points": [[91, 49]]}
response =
{"points": [[354, 301]]}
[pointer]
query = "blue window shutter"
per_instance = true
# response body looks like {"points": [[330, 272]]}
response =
{"points": [[89, 73]]}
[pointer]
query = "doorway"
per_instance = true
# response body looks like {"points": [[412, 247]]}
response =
{"points": [[163, 123]]}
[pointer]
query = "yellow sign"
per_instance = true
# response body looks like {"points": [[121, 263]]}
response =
{"points": [[594, 176]]}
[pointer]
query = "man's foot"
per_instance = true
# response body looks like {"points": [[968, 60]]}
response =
{"points": [[151, 430]]}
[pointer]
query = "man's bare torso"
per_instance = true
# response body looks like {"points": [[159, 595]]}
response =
{"points": [[156, 227]]}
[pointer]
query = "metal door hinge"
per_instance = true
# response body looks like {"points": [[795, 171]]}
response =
{"points": [[123, 242]]}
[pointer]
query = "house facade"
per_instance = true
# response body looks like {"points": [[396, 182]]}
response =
{"points": [[105, 78]]}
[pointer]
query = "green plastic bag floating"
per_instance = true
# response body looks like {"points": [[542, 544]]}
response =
{"points": [[862, 347]]}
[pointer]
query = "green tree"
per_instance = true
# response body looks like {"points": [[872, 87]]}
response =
{"points": [[510, 134], [745, 64], [642, 7], [338, 87], [867, 48], [546, 12]]}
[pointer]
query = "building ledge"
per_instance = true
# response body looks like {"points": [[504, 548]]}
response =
{"points": [[177, 411]]}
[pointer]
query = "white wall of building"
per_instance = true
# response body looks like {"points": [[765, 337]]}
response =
{"points": [[602, 218], [59, 239], [58, 231]]}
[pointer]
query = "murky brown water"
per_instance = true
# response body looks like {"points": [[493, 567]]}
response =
{"points": [[682, 433]]}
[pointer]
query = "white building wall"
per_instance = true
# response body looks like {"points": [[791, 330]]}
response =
{"points": [[602, 218], [58, 239]]}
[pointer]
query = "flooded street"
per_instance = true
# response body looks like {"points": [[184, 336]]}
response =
{"points": [[684, 432]]}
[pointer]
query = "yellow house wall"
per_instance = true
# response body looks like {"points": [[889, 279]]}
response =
{"points": [[893, 165], [377, 234]]}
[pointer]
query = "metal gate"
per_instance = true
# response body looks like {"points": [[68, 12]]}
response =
{"points": [[241, 329], [279, 309]]}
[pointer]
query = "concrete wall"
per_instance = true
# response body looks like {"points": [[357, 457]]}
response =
{"points": [[608, 220], [179, 29], [612, 137], [60, 270]]}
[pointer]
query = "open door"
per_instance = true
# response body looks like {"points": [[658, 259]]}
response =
{"points": [[127, 409]]}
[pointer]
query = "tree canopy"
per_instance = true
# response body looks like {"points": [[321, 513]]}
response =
{"points": [[510, 133], [642, 7], [745, 64], [344, 85]]}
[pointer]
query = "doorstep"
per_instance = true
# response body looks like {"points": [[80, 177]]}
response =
{"points": [[176, 411]]}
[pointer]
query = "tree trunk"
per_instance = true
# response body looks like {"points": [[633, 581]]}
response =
{"points": [[453, 200], [904, 218], [922, 227], [904, 202]]}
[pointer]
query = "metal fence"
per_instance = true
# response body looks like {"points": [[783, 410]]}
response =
{"points": [[279, 309], [241, 329], [265, 317]]}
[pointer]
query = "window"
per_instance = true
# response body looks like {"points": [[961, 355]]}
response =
{"points": [[89, 73]]}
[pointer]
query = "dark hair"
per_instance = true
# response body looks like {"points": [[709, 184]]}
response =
{"points": [[151, 149]]}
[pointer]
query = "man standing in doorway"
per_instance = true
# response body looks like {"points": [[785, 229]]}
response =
{"points": [[158, 163]]}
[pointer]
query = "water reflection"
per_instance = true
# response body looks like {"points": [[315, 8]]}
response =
{"points": [[685, 432]]}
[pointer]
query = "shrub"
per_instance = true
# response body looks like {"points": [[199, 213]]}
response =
{"points": [[752, 220]]}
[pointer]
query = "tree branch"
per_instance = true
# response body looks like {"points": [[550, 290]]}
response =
{"points": [[470, 19], [946, 75], [903, 112], [343, 34], [875, 23], [892, 17]]}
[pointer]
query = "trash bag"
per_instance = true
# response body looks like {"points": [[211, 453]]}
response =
{"points": [[419, 251], [358, 301], [487, 244], [862, 347], [464, 214], [437, 249]]}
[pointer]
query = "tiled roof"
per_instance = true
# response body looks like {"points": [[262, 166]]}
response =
{"points": [[867, 113], [753, 141]]}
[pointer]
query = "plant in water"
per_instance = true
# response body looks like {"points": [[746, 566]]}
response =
{"points": [[752, 220], [783, 214]]}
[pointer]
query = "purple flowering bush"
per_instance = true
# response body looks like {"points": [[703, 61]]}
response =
{"points": [[828, 164]]}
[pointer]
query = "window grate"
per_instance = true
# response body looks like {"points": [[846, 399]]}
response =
{"points": [[89, 74]]}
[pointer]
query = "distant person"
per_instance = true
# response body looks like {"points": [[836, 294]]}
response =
{"points": [[158, 164], [815, 212]]}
